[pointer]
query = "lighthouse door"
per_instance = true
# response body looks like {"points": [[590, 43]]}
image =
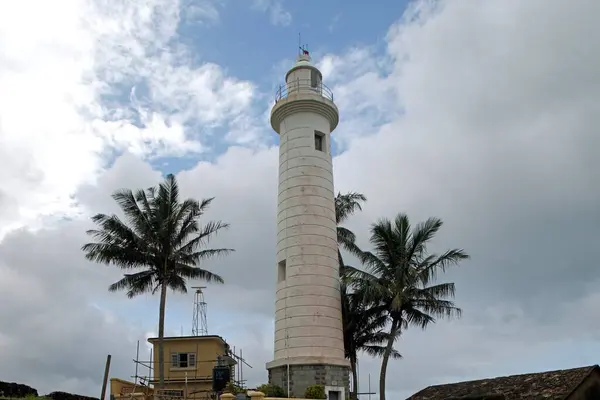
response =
{"points": [[333, 395]]}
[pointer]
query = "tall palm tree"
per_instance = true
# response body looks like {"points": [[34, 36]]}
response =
{"points": [[400, 275], [363, 324], [162, 238], [346, 205]]}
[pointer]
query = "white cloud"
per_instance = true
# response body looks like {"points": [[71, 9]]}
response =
{"points": [[362, 90], [334, 22], [203, 12], [277, 13], [65, 74]]}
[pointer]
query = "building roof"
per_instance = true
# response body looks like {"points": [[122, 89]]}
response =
{"points": [[173, 338], [550, 385]]}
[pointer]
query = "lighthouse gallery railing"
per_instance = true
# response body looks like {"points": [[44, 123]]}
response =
{"points": [[303, 86]]}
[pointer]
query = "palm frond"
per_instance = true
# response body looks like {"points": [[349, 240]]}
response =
{"points": [[428, 268], [417, 317], [347, 204], [423, 233], [198, 274], [378, 351], [345, 236], [137, 218], [177, 283], [138, 283], [199, 256], [202, 237]]}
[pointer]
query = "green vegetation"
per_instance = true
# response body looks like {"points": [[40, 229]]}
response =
{"points": [[34, 396], [315, 392], [394, 289], [363, 323], [399, 278], [234, 389], [163, 238], [271, 390], [26, 398]]}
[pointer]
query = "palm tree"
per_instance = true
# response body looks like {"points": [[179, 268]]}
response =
{"points": [[363, 324], [162, 238], [400, 275], [363, 331]]}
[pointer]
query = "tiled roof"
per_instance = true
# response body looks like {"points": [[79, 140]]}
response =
{"points": [[551, 385]]}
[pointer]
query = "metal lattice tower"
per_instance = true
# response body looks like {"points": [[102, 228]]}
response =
{"points": [[199, 324]]}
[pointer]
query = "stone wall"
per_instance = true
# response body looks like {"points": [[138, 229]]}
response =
{"points": [[303, 376]]}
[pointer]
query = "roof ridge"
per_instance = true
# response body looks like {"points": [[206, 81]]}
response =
{"points": [[567, 378], [515, 375]]}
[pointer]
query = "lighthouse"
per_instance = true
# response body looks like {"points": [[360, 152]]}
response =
{"points": [[309, 341]]}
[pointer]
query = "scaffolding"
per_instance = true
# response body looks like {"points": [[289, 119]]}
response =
{"points": [[142, 380]]}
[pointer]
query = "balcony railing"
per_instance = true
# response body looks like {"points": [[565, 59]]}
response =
{"points": [[301, 86]]}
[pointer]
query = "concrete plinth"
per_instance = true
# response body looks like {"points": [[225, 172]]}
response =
{"points": [[333, 377]]}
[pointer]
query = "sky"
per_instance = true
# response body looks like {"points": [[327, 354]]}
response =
{"points": [[481, 113]]}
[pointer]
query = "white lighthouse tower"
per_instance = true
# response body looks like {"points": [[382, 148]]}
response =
{"points": [[309, 342]]}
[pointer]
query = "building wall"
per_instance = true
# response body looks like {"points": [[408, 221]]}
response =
{"points": [[199, 390], [193, 390], [122, 388], [118, 386], [206, 350]]}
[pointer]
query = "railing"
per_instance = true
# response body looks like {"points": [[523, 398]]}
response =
{"points": [[303, 86]]}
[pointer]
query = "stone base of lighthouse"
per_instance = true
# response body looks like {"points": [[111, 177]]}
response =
{"points": [[335, 378]]}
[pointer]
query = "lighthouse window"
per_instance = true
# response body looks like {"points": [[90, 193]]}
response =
{"points": [[319, 141], [281, 271], [314, 79]]}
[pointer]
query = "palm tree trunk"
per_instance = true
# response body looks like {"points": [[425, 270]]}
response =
{"points": [[353, 367], [161, 335], [386, 358]]}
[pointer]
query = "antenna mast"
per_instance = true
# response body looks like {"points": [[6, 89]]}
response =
{"points": [[199, 324], [302, 48]]}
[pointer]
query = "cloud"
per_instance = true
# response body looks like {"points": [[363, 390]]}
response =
{"points": [[277, 13], [75, 69], [362, 89], [484, 115], [51, 321], [494, 135], [203, 12], [334, 22]]}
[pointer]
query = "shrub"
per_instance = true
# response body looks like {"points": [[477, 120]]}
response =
{"points": [[234, 389], [315, 392], [271, 390], [12, 389], [68, 396]]}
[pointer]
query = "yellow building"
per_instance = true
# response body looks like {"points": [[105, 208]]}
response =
{"points": [[189, 363], [121, 389]]}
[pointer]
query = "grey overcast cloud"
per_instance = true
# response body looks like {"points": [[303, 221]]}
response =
{"points": [[484, 114]]}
